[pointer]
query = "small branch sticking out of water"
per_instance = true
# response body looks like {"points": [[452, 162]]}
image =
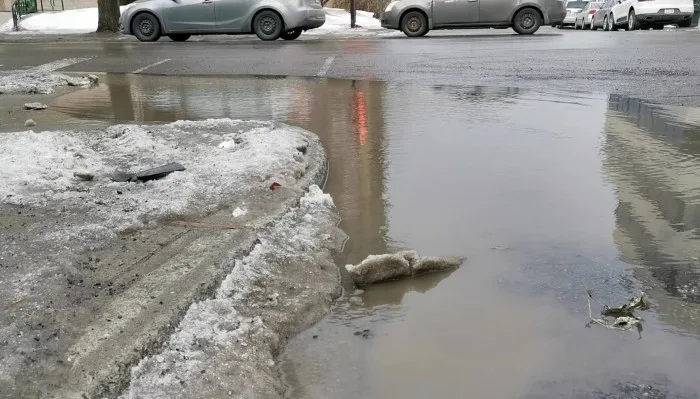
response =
{"points": [[625, 319]]}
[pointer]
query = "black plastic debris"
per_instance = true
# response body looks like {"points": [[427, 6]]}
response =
{"points": [[150, 174]]}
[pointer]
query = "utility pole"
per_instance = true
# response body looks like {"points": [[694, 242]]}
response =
{"points": [[352, 13]]}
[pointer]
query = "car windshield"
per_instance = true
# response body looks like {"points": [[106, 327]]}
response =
{"points": [[576, 4]]}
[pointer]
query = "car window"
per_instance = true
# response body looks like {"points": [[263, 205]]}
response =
{"points": [[576, 4]]}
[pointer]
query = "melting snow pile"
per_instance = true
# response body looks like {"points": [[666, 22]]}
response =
{"points": [[49, 169], [42, 79], [225, 346], [338, 22], [71, 21]]}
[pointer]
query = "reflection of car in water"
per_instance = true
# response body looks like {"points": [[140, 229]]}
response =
{"points": [[417, 17], [148, 20]]}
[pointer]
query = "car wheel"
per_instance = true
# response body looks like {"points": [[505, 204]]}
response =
{"points": [[414, 24], [180, 37], [291, 34], [527, 21], [611, 22], [268, 25], [605, 23], [632, 21], [593, 27], [146, 27]]}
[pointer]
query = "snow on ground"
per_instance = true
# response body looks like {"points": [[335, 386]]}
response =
{"points": [[85, 21], [224, 346], [338, 23], [37, 82], [41, 168], [82, 20]]}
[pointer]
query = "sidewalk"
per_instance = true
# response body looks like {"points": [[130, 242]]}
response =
{"points": [[5, 17]]}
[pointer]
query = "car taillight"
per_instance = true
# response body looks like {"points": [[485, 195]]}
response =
{"points": [[594, 11]]}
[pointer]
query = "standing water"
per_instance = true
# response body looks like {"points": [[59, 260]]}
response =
{"points": [[547, 194]]}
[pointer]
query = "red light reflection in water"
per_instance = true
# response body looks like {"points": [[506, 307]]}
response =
{"points": [[360, 115]]}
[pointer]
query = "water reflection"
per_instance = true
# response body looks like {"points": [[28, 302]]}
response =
{"points": [[459, 171], [653, 161]]}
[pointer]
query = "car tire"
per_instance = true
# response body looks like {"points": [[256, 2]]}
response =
{"points": [[268, 25], [684, 24], [613, 25], [527, 21], [291, 34], [592, 27], [179, 37], [414, 24], [146, 27], [632, 23]]}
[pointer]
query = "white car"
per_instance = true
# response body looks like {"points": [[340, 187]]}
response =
{"points": [[573, 7], [645, 14]]}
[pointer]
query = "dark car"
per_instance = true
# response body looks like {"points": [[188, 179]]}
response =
{"points": [[599, 17]]}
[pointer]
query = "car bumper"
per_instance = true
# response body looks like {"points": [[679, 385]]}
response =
{"points": [[660, 17], [306, 18], [390, 20], [569, 20]]}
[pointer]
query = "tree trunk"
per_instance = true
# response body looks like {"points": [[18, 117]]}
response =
{"points": [[108, 15]]}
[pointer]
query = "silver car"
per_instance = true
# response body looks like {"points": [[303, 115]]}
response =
{"points": [[417, 17], [148, 20]]}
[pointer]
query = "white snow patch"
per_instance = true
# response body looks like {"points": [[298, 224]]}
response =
{"points": [[238, 212], [82, 20], [338, 23]]}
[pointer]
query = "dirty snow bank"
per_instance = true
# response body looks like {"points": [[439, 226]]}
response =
{"points": [[40, 170], [42, 79], [225, 346]]}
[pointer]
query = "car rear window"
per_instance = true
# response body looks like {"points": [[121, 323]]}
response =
{"points": [[576, 4]]}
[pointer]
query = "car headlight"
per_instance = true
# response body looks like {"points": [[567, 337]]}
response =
{"points": [[390, 6]]}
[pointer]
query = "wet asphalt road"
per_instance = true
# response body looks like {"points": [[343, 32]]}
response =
{"points": [[653, 65]]}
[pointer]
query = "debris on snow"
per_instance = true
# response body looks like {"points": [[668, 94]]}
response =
{"points": [[84, 175], [93, 79], [379, 268], [149, 174], [35, 106], [37, 82], [238, 212]]}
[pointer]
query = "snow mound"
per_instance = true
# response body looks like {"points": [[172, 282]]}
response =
{"points": [[338, 22], [45, 169], [35, 82], [224, 346]]}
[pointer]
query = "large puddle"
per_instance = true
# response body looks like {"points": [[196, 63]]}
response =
{"points": [[548, 194]]}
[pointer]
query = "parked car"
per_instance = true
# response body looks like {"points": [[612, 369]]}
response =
{"points": [[148, 20], [599, 20], [645, 14], [416, 17], [573, 7], [584, 18]]}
